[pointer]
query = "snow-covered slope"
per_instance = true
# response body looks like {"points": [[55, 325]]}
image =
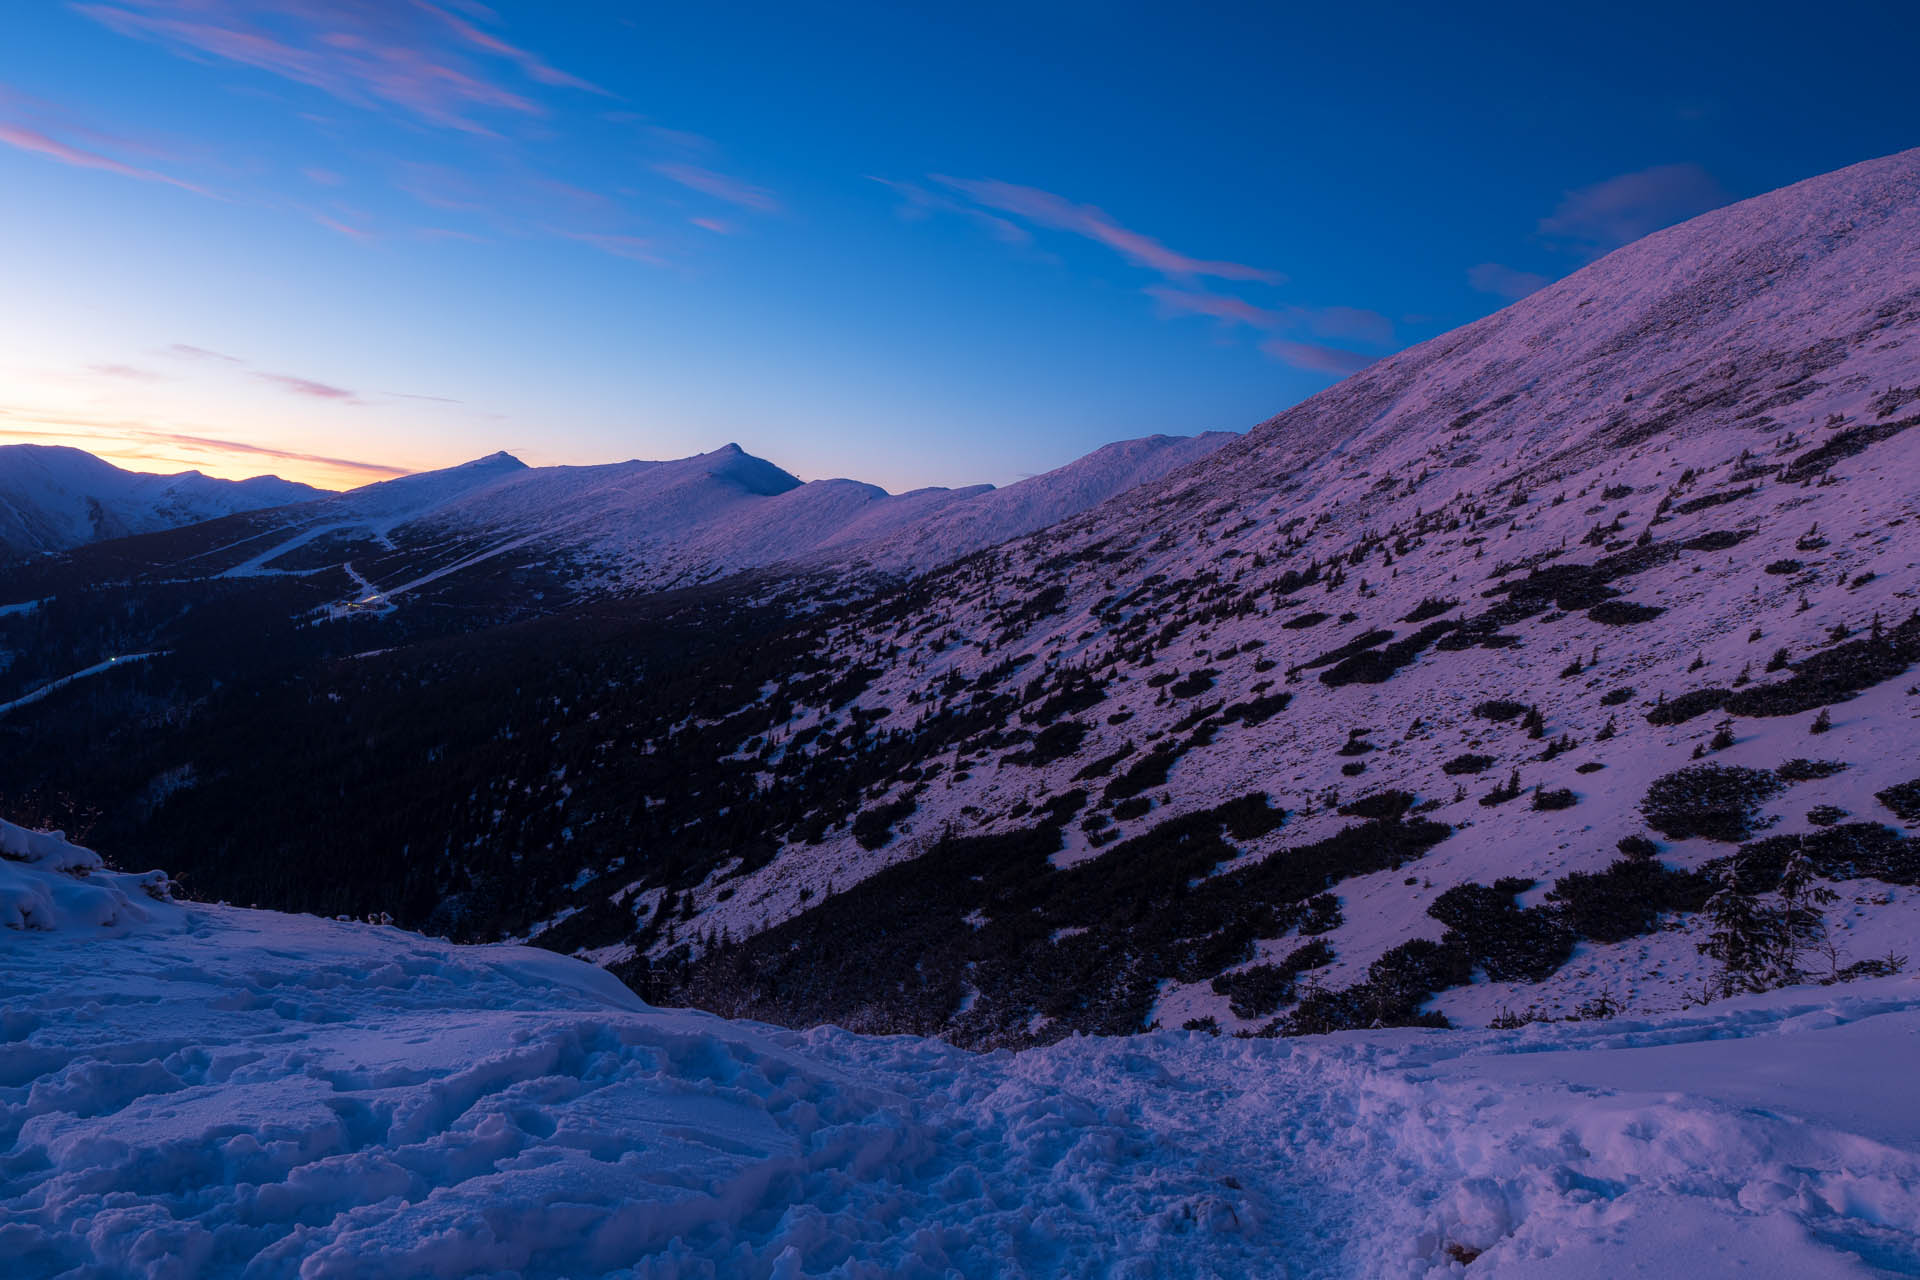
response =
{"points": [[196, 1090], [53, 497], [1665, 507]]}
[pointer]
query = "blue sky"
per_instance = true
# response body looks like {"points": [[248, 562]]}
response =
{"points": [[336, 239]]}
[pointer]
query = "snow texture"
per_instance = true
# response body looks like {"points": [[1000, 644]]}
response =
{"points": [[190, 1090]]}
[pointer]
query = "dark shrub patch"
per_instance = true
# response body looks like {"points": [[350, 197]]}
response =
{"points": [[1637, 846], [1903, 799], [873, 828], [1851, 851], [1128, 810], [1718, 540], [1833, 675], [1467, 762], [1780, 568], [1511, 944], [1104, 765], [1430, 607], [1706, 500], [1688, 705], [1301, 621], [1801, 769], [1844, 444], [1624, 613], [1149, 770], [1381, 804], [1365, 640], [1194, 685], [1500, 709], [1719, 802], [1504, 792], [1055, 742], [1322, 915], [1257, 710], [1377, 666], [1397, 984], [1614, 697], [1628, 898], [1259, 990], [1250, 817], [1558, 798]]}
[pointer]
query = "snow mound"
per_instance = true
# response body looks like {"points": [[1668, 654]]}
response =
{"points": [[48, 883], [223, 1092]]}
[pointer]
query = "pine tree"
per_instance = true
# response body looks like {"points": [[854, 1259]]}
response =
{"points": [[1803, 922], [1746, 937]]}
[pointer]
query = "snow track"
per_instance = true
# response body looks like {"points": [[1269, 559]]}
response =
{"points": [[190, 1090]]}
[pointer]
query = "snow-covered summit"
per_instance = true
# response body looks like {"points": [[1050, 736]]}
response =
{"points": [[53, 497]]}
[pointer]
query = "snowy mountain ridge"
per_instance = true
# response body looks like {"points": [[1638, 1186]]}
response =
{"points": [[53, 497], [645, 525]]}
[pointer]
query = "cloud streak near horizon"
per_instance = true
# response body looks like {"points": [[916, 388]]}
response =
{"points": [[138, 440]]}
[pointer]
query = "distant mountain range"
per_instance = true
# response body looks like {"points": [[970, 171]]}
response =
{"points": [[626, 526], [53, 498]]}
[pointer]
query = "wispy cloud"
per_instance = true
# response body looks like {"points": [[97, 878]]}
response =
{"points": [[409, 54], [1057, 213], [22, 138], [371, 470], [1316, 358], [309, 388], [1505, 282], [187, 351], [1346, 324], [916, 203], [124, 371], [633, 248], [1608, 214], [719, 186], [1199, 302], [134, 440], [347, 229]]}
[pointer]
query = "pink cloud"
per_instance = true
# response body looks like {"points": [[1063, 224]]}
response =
{"points": [[346, 229], [916, 203], [187, 351], [308, 387], [1198, 302], [719, 186], [1045, 209], [1623, 209], [25, 139], [126, 371], [529, 63], [394, 54], [718, 226], [322, 177], [1316, 358], [1504, 281]]}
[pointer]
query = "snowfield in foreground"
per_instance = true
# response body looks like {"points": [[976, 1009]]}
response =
{"points": [[190, 1090]]}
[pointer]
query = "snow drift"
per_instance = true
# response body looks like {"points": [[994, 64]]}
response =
{"points": [[200, 1090]]}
